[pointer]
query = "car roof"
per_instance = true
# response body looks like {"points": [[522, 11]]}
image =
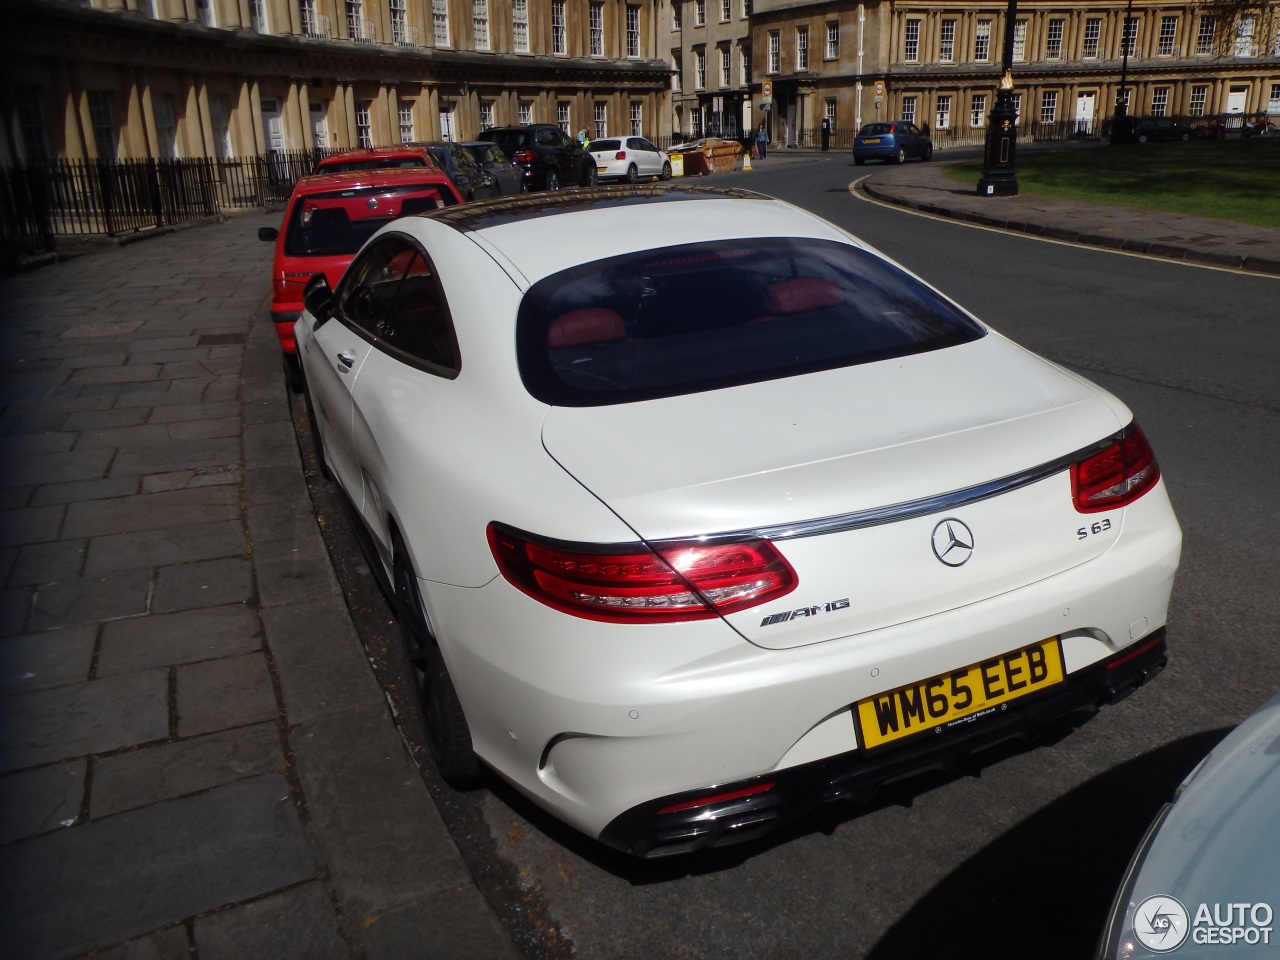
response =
{"points": [[373, 153], [540, 234], [377, 177]]}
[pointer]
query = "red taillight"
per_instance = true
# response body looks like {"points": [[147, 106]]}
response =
{"points": [[522, 156], [1115, 476], [718, 798], [630, 583], [893, 128], [620, 155]]}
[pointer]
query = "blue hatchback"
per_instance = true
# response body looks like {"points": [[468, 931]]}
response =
{"points": [[891, 141]]}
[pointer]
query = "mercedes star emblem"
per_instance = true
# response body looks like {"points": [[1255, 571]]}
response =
{"points": [[952, 542]]}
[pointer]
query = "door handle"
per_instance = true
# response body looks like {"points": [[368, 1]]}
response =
{"points": [[346, 361]]}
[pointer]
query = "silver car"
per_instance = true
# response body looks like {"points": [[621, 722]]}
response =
{"points": [[508, 178], [1205, 881]]}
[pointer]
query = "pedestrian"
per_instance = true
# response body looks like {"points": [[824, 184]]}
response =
{"points": [[583, 140], [762, 141]]}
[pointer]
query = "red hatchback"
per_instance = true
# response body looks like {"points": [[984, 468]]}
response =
{"points": [[327, 221]]}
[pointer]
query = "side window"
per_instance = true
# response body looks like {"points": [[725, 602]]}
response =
{"points": [[547, 138], [420, 325], [370, 286]]}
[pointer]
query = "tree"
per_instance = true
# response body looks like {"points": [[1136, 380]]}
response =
{"points": [[1244, 27]]}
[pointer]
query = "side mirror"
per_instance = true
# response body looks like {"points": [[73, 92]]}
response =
{"points": [[317, 297], [268, 233]]}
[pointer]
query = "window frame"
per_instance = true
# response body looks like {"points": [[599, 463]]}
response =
{"points": [[403, 243]]}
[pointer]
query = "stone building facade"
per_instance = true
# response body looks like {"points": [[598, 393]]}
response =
{"points": [[937, 62], [179, 78]]}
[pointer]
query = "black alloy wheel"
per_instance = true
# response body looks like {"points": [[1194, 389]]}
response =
{"points": [[447, 734], [589, 178], [553, 180]]}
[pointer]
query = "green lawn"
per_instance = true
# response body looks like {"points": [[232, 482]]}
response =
{"points": [[1229, 179]]}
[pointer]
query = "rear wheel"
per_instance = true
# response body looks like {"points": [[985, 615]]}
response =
{"points": [[553, 180], [632, 174], [928, 152], [447, 734], [859, 161], [901, 156], [317, 441]]}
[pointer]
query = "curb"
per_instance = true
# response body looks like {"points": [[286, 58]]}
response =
{"points": [[1165, 251]]}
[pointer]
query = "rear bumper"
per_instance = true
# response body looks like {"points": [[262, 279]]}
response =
{"points": [[747, 809]]}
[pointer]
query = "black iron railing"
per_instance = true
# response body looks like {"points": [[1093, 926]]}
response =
{"points": [[42, 202]]}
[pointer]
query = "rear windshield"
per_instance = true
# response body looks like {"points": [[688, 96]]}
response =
{"points": [[875, 129], [704, 316], [606, 145], [328, 224], [380, 163], [508, 140]]}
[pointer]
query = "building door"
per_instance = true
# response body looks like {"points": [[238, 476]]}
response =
{"points": [[1236, 99], [446, 120], [320, 125], [1084, 113], [273, 127], [791, 124]]}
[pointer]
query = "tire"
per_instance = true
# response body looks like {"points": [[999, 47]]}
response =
{"points": [[666, 172], [590, 178], [553, 180], [1142, 138], [292, 372], [443, 722], [317, 441], [928, 153], [900, 157], [632, 174], [1185, 137], [859, 161]]}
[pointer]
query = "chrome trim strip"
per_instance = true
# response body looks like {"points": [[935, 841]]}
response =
{"points": [[908, 509]]}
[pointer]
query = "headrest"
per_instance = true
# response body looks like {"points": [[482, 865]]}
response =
{"points": [[801, 294], [591, 325]]}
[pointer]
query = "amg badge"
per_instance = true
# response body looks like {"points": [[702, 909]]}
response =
{"points": [[804, 612]]}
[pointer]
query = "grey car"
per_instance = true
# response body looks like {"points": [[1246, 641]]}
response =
{"points": [[472, 181], [507, 177], [1204, 881]]}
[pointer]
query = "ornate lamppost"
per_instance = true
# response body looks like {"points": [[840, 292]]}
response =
{"points": [[1120, 132], [999, 174]]}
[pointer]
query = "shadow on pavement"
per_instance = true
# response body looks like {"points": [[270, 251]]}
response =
{"points": [[1044, 888]]}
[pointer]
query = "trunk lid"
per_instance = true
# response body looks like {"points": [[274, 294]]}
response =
{"points": [[786, 452]]}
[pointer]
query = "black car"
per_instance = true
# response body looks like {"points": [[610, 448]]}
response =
{"points": [[508, 177], [472, 181], [549, 157], [1160, 128]]}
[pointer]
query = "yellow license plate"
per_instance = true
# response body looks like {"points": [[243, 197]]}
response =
{"points": [[602, 169], [960, 697], [872, 140]]}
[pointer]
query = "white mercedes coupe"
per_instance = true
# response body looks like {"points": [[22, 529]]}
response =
{"points": [[698, 512]]}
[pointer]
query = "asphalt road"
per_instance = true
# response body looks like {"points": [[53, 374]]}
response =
{"points": [[1019, 855]]}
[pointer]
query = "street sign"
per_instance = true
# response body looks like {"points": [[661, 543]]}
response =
{"points": [[879, 91], [766, 91]]}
